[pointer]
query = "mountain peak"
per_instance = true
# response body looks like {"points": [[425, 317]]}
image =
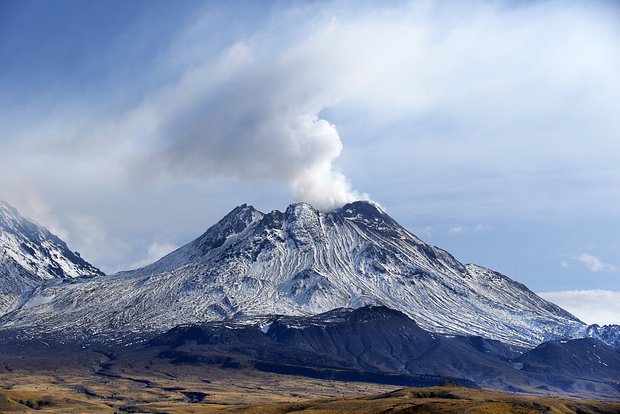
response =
{"points": [[300, 208], [9, 215], [304, 262], [4, 206], [368, 210], [37, 250], [31, 254], [364, 207], [242, 210], [235, 222]]}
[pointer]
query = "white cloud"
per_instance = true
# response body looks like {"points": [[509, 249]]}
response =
{"points": [[594, 263], [254, 110], [591, 306], [155, 252], [89, 233]]}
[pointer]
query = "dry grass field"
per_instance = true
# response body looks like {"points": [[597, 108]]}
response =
{"points": [[150, 389], [446, 400], [243, 391], [91, 382]]}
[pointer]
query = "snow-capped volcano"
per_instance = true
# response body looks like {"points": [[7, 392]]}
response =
{"points": [[301, 262], [29, 255]]}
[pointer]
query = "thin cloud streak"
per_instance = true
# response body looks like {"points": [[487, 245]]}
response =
{"points": [[594, 263], [155, 252]]}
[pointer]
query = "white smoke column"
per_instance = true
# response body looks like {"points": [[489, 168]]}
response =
{"points": [[240, 117], [318, 183], [253, 110], [325, 188]]}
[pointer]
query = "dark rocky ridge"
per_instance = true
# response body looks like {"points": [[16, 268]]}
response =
{"points": [[383, 342]]}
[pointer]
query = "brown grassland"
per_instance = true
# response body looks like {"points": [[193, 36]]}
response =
{"points": [[185, 389], [246, 391], [91, 382]]}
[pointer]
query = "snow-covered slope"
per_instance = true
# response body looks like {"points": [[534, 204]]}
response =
{"points": [[30, 255], [610, 334], [300, 262]]}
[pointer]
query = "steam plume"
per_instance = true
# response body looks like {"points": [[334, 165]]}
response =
{"points": [[262, 127]]}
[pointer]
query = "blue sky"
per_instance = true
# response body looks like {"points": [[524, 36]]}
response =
{"points": [[489, 129]]}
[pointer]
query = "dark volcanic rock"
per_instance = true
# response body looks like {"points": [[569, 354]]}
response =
{"points": [[584, 358]]}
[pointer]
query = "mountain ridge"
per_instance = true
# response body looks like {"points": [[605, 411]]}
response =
{"points": [[301, 262], [376, 339]]}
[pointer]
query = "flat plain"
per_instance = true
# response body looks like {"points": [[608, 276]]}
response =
{"points": [[91, 382]]}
